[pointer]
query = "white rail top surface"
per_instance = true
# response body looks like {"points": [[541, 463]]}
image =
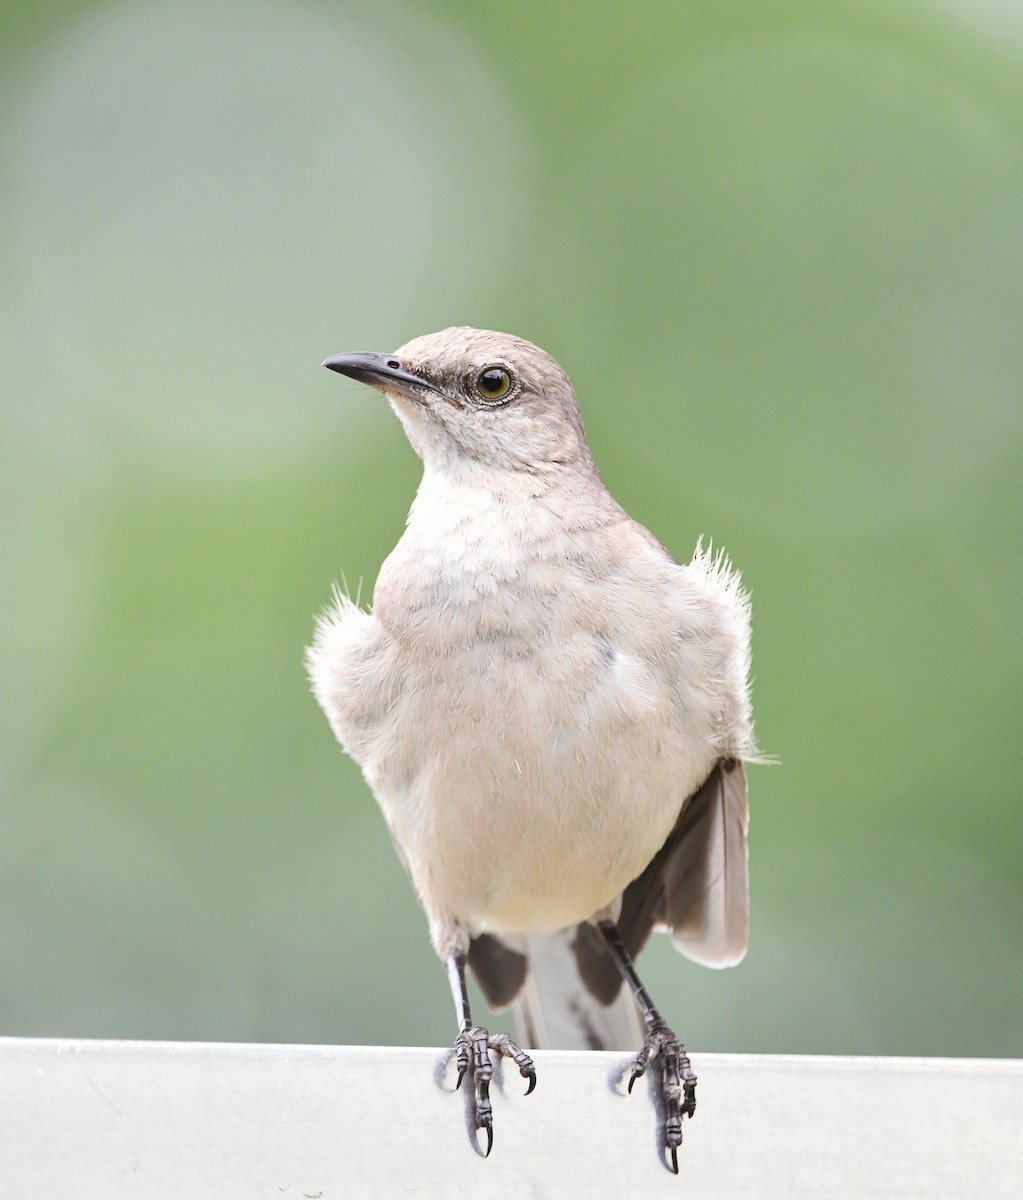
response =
{"points": [[83, 1120]]}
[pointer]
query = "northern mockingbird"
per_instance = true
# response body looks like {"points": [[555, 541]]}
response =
{"points": [[552, 714]]}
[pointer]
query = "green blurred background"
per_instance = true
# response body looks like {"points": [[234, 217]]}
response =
{"points": [[778, 246]]}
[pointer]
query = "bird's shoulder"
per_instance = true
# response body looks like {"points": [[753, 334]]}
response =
{"points": [[351, 668], [703, 595]]}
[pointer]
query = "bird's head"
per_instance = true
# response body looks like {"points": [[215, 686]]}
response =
{"points": [[473, 398]]}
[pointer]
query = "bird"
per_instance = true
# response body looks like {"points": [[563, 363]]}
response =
{"points": [[552, 713]]}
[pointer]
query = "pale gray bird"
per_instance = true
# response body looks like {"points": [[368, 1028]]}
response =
{"points": [[552, 714]]}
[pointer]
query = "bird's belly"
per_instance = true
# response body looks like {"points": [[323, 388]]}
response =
{"points": [[528, 807]]}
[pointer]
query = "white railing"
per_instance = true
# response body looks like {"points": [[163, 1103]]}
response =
{"points": [[86, 1120]]}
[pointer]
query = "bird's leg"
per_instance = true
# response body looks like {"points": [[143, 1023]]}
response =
{"points": [[472, 1050], [678, 1083]]}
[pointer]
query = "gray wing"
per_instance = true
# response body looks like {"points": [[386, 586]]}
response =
{"points": [[706, 875], [697, 884]]}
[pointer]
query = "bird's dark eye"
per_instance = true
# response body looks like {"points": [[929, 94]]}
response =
{"points": [[493, 384]]}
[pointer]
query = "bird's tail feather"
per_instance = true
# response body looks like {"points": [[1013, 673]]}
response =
{"points": [[555, 1010]]}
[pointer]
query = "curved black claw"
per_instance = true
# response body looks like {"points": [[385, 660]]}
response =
{"points": [[677, 1083], [503, 1044], [472, 1052]]}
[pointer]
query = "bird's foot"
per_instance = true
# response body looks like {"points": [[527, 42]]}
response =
{"points": [[472, 1053], [677, 1082]]}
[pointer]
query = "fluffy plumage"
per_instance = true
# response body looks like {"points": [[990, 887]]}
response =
{"points": [[549, 710]]}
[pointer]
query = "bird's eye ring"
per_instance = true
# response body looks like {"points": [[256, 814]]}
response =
{"points": [[493, 384]]}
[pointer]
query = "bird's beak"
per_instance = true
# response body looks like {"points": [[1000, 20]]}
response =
{"points": [[381, 371]]}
